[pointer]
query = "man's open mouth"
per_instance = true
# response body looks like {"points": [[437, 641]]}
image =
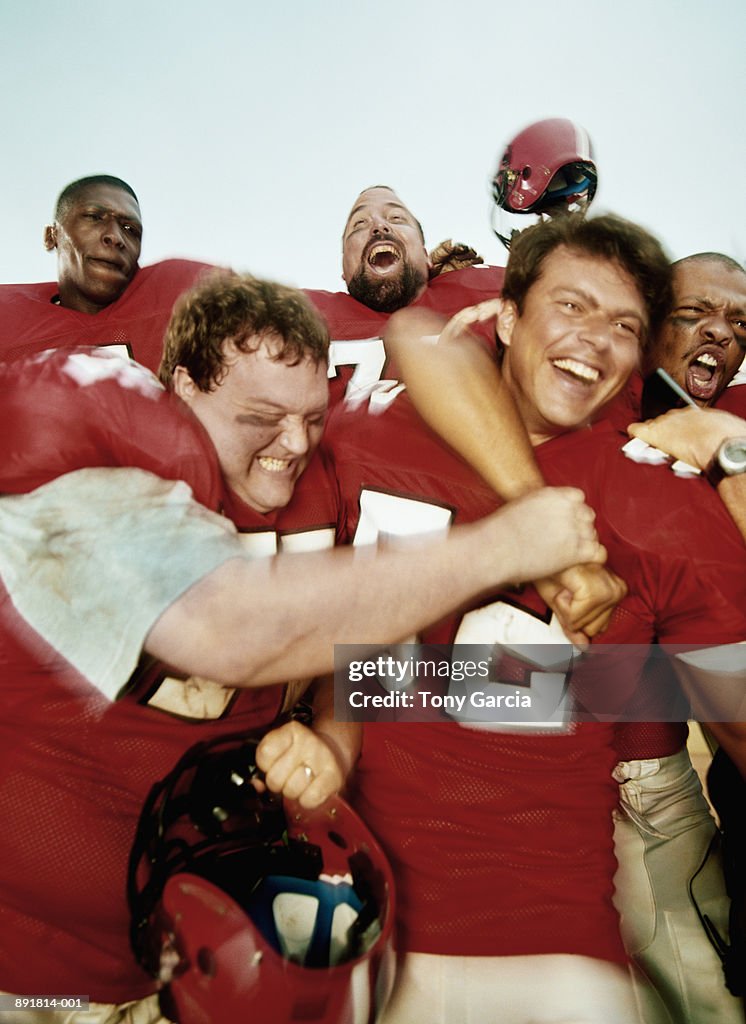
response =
{"points": [[384, 256], [272, 465], [576, 370], [704, 375]]}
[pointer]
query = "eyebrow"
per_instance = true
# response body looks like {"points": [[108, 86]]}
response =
{"points": [[268, 408], [698, 300], [119, 214], [387, 206], [593, 301]]}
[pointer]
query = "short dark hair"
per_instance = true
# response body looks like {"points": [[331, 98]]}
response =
{"points": [[608, 237], [238, 308], [70, 192], [711, 257], [393, 190]]}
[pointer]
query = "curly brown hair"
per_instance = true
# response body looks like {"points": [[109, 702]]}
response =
{"points": [[607, 237], [243, 310]]}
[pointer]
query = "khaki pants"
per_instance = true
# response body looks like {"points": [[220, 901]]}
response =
{"points": [[661, 843]]}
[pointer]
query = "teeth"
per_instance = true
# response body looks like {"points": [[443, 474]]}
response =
{"points": [[706, 360], [273, 465], [383, 249], [580, 370]]}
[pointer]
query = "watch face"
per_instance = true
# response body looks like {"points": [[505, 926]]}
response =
{"points": [[732, 456]]}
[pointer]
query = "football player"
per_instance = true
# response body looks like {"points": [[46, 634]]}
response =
{"points": [[702, 343], [700, 339], [101, 296], [580, 300], [107, 555]]}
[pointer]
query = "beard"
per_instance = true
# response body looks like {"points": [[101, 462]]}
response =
{"points": [[386, 294]]}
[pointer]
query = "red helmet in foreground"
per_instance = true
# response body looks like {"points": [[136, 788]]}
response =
{"points": [[547, 169], [249, 908]]}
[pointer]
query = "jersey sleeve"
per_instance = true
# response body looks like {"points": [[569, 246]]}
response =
{"points": [[92, 559], [63, 411]]}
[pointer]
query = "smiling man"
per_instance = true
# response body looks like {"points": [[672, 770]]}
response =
{"points": [[249, 359], [101, 296], [385, 264], [386, 267], [571, 341], [518, 923]]}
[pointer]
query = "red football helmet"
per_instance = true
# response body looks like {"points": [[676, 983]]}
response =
{"points": [[546, 170], [250, 908]]}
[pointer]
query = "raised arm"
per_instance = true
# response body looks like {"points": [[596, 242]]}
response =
{"points": [[455, 384]]}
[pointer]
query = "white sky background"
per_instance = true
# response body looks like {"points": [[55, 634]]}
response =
{"points": [[247, 128]]}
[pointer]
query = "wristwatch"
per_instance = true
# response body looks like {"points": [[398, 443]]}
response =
{"points": [[728, 460]]}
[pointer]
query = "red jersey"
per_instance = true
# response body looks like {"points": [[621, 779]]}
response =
{"points": [[733, 399], [76, 766], [31, 322], [67, 410], [357, 357], [502, 842]]}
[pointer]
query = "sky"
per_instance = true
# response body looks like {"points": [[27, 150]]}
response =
{"points": [[247, 129]]}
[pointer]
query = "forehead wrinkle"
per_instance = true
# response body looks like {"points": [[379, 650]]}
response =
{"points": [[391, 205], [93, 204], [712, 304], [592, 301], [573, 289]]}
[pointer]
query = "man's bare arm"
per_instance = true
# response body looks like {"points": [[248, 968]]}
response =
{"points": [[456, 386], [457, 389], [252, 623], [694, 435]]}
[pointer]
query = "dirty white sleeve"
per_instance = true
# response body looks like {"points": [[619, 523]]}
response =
{"points": [[92, 559]]}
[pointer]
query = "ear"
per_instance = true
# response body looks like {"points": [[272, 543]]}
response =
{"points": [[183, 385], [50, 237], [506, 321]]}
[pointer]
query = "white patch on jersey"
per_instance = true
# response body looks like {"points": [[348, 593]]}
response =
{"points": [[202, 698], [540, 645], [192, 698], [87, 368], [640, 451], [308, 540], [368, 356], [390, 515]]}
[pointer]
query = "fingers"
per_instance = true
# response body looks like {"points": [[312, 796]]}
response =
{"points": [[580, 522], [583, 597], [692, 435], [480, 312], [561, 605], [551, 529], [299, 764], [463, 320]]}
